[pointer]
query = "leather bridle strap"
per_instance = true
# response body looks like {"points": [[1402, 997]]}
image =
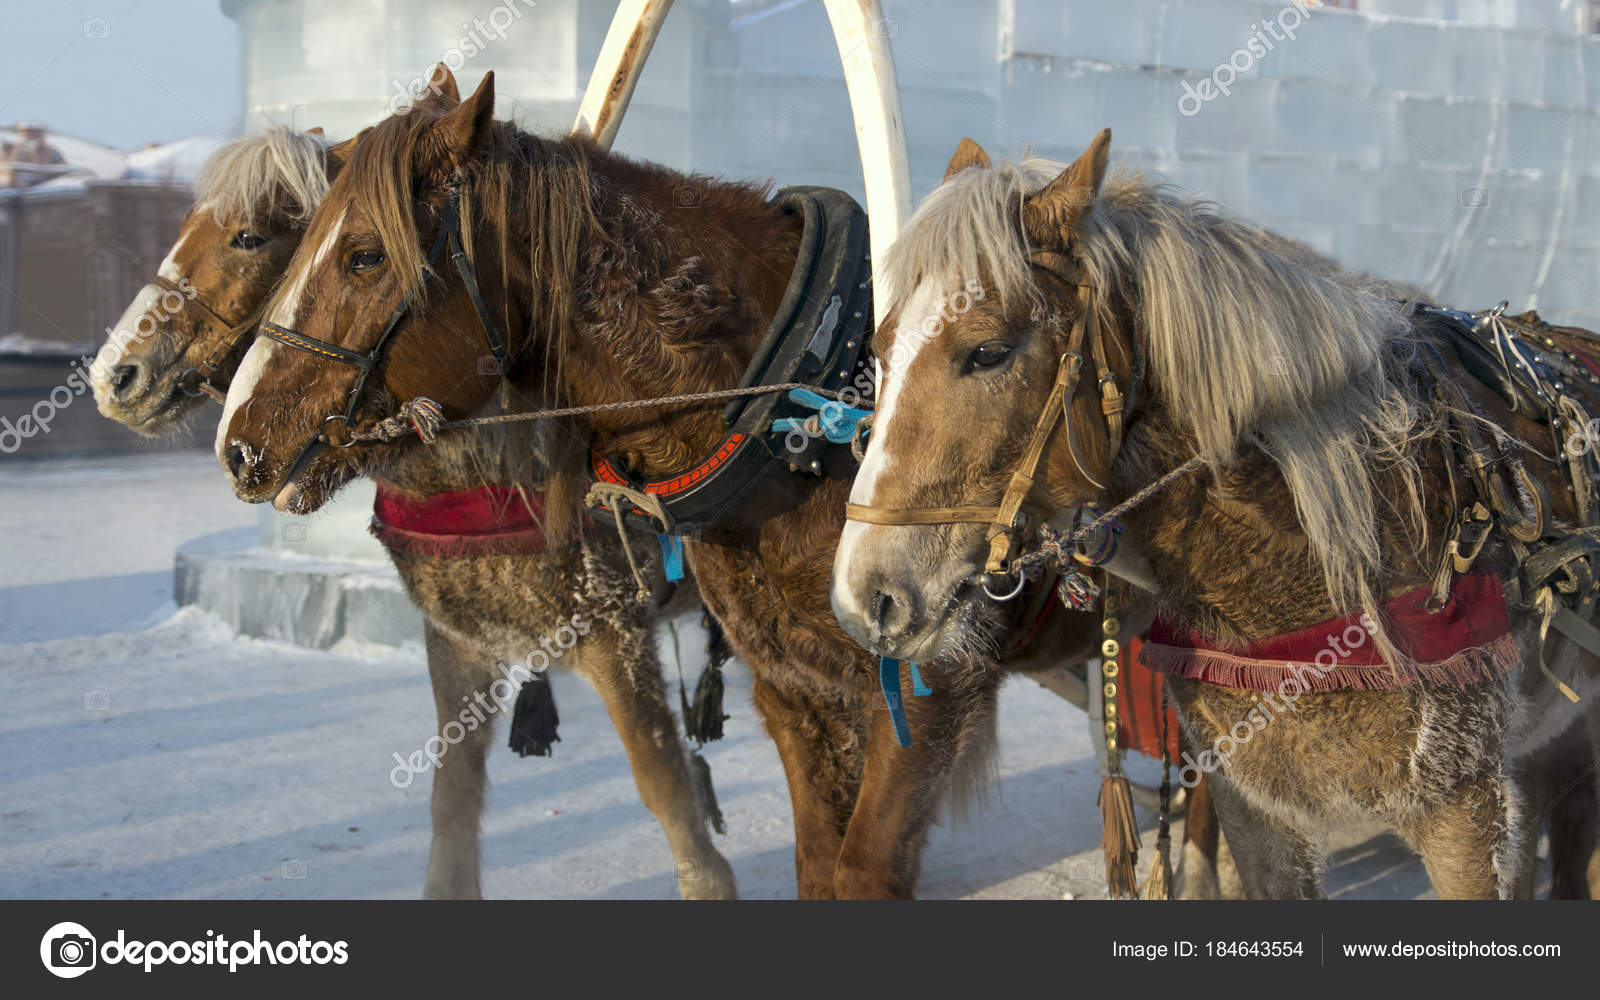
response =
{"points": [[367, 362], [226, 336], [1005, 520]]}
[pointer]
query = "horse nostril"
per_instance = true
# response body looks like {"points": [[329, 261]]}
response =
{"points": [[235, 459], [122, 376], [882, 608]]}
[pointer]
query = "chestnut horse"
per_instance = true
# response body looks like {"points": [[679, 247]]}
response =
{"points": [[1293, 422], [604, 283], [253, 202]]}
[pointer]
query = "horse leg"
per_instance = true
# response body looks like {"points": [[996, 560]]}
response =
{"points": [[626, 673], [821, 760], [459, 781], [1275, 860], [1200, 836], [1468, 844], [1571, 811], [902, 787]]}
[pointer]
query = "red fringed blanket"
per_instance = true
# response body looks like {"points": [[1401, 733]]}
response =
{"points": [[1466, 642], [486, 520]]}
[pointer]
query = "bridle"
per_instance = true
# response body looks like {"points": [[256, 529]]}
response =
{"points": [[1006, 521], [223, 338], [342, 433]]}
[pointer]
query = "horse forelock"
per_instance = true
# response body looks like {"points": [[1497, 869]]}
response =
{"points": [[277, 170]]}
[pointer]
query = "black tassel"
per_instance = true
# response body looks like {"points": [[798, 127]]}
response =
{"points": [[700, 777], [534, 720], [703, 720]]}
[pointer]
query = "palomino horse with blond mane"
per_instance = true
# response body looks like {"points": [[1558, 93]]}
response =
{"points": [[1369, 523], [601, 285], [486, 599]]}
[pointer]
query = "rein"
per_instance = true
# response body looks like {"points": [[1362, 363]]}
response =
{"points": [[1006, 522]]}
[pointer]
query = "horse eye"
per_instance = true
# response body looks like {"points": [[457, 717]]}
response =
{"points": [[366, 260], [988, 355], [244, 239]]}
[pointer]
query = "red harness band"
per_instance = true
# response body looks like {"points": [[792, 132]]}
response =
{"points": [[485, 520], [1466, 642]]}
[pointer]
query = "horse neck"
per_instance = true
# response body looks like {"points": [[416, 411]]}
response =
{"points": [[1226, 553], [673, 300]]}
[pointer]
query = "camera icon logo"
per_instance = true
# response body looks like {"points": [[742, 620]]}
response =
{"points": [[886, 27], [688, 869], [68, 950], [1474, 197], [292, 869], [293, 534], [97, 27], [96, 701], [488, 365], [686, 197]]}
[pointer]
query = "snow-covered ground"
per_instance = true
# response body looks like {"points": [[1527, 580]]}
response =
{"points": [[147, 752]]}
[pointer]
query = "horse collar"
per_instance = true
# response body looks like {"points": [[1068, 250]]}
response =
{"points": [[817, 336]]}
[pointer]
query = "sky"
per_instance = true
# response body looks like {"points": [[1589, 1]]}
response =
{"points": [[123, 73]]}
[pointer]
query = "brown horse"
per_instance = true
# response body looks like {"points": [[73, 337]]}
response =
{"points": [[254, 200], [610, 283], [1287, 417]]}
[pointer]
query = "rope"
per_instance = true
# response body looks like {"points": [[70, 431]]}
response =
{"points": [[390, 431]]}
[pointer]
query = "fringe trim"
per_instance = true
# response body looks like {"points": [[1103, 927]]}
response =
{"points": [[1464, 669], [522, 541]]}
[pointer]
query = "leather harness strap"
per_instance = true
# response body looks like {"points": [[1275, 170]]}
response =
{"points": [[225, 336], [1006, 520]]}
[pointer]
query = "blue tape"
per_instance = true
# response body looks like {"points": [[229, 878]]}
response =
{"points": [[837, 420], [918, 686], [671, 556], [889, 680]]}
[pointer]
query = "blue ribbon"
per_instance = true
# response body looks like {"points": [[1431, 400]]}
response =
{"points": [[889, 680], [838, 421], [671, 556]]}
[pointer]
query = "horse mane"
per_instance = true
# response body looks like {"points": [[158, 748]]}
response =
{"points": [[279, 166], [1262, 342], [536, 195]]}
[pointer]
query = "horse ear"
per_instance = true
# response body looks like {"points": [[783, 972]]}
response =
{"points": [[1055, 211], [968, 154], [314, 130], [338, 155], [442, 91], [462, 129]]}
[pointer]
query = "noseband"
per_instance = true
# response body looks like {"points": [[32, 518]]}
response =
{"points": [[225, 335], [1006, 522], [449, 235]]}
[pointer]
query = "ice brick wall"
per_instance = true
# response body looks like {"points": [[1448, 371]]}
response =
{"points": [[1454, 154]]}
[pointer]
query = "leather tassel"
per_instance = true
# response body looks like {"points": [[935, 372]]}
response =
{"points": [[700, 777], [1158, 884], [702, 720], [1119, 837], [534, 720]]}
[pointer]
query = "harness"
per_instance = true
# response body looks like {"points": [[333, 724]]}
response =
{"points": [[424, 414], [1006, 522], [225, 337], [817, 337]]}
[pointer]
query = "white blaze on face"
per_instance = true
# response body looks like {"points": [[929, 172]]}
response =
{"points": [[127, 328], [923, 303], [285, 313]]}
